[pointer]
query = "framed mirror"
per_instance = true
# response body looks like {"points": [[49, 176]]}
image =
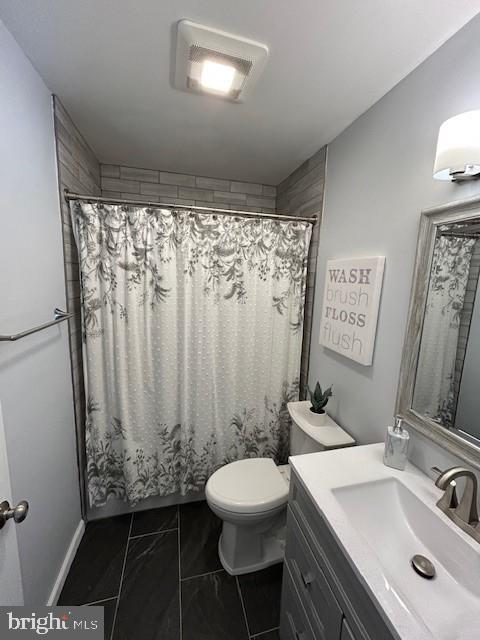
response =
{"points": [[439, 387]]}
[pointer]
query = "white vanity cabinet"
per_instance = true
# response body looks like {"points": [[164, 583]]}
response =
{"points": [[322, 597]]}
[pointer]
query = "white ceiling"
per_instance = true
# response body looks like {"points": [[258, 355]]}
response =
{"points": [[109, 61]]}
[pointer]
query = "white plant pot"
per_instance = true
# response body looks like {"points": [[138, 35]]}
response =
{"points": [[317, 419]]}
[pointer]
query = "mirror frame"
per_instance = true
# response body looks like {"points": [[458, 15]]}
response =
{"points": [[431, 218]]}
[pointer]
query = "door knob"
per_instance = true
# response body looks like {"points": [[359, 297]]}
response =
{"points": [[18, 513]]}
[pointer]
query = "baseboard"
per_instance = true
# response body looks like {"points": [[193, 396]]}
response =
{"points": [[67, 561]]}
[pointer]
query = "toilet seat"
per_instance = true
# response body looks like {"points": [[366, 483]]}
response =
{"points": [[253, 485]]}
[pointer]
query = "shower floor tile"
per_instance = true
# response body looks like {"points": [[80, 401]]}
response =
{"points": [[158, 576]]}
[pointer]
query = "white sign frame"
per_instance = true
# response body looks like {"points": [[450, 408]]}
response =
{"points": [[351, 301]]}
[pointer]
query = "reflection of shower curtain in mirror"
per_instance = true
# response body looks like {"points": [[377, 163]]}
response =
{"points": [[435, 389], [192, 343]]}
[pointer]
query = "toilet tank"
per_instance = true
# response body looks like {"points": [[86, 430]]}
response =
{"points": [[308, 438], [301, 442]]}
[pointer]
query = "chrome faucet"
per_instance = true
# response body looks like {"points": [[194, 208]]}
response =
{"points": [[464, 512]]}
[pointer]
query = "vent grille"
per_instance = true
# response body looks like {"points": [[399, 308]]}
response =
{"points": [[197, 44]]}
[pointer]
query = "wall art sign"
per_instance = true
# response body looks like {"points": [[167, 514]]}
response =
{"points": [[350, 306]]}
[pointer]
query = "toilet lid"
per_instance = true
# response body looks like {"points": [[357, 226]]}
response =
{"points": [[248, 486]]}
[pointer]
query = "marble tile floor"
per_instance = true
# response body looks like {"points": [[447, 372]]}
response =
{"points": [[158, 577]]}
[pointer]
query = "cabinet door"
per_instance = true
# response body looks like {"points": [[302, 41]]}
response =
{"points": [[362, 613], [347, 633], [294, 624], [321, 607]]}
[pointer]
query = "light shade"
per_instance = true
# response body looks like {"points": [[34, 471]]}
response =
{"points": [[216, 76], [458, 148]]}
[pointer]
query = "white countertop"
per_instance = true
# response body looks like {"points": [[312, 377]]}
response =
{"points": [[323, 473]]}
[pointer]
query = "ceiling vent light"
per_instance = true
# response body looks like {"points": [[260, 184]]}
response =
{"points": [[216, 62]]}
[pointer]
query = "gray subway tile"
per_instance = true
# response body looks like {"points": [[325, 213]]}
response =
{"points": [[293, 178], [70, 253], [115, 195], [142, 175], [259, 201], [72, 273], [150, 189], [89, 185], [212, 183], [183, 202], [228, 197], [206, 195], [210, 205], [71, 181], [269, 191], [73, 289], [318, 158], [310, 184], [149, 198], [110, 171], [247, 187], [64, 155], [282, 203], [125, 186], [178, 179]]}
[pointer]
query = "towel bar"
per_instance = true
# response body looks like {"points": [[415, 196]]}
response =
{"points": [[59, 316]]}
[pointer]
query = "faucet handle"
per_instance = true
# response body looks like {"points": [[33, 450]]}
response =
{"points": [[449, 499]]}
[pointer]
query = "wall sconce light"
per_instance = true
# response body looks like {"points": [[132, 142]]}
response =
{"points": [[458, 148]]}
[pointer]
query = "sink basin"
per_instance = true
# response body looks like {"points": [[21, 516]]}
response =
{"points": [[396, 525]]}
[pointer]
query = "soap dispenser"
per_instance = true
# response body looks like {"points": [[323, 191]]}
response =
{"points": [[396, 446]]}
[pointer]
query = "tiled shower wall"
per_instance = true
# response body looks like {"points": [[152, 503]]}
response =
{"points": [[182, 189], [78, 171], [301, 194]]}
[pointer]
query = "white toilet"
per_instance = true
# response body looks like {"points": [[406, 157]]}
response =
{"points": [[250, 496]]}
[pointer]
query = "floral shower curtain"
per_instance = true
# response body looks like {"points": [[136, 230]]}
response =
{"points": [[435, 389], [192, 330]]}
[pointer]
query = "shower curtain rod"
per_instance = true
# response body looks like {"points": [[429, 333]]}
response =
{"points": [[146, 203]]}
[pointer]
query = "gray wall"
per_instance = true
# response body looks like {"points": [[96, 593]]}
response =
{"points": [[78, 171], [301, 194], [35, 383], [378, 178], [178, 188]]}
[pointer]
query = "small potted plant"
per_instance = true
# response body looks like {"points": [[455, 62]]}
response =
{"points": [[319, 400]]}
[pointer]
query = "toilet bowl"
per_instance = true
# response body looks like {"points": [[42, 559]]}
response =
{"points": [[251, 495]]}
